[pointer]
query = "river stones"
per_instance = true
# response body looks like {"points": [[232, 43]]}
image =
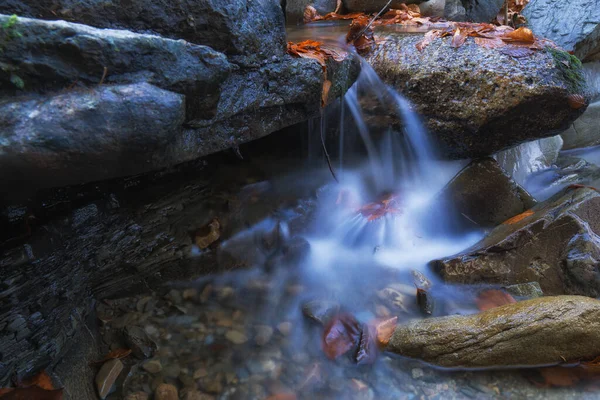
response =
{"points": [[484, 194], [555, 244], [575, 24], [477, 101], [541, 331]]}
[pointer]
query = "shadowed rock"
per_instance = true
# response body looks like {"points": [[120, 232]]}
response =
{"points": [[477, 101], [483, 193], [555, 244], [541, 331]]}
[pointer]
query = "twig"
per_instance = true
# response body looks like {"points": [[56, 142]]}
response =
{"points": [[338, 6], [103, 76], [463, 214], [506, 13], [374, 18], [327, 156]]}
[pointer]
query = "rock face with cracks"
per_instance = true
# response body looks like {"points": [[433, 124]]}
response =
{"points": [[477, 101], [555, 243], [541, 331]]}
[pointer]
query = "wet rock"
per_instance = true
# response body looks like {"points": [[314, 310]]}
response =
{"points": [[137, 396], [320, 311], [541, 331], [525, 159], [370, 6], [236, 337], [86, 135], [139, 342], [152, 366], [472, 99], [472, 10], [107, 376], [394, 299], [285, 328], [574, 25], [420, 280], [172, 371], [238, 28], [484, 194], [585, 131], [554, 244], [174, 65], [527, 290], [166, 391]]}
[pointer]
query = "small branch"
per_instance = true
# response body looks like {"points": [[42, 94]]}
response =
{"points": [[506, 13], [103, 76], [327, 156], [374, 18], [338, 6]]}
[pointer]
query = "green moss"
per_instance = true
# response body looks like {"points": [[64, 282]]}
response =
{"points": [[570, 69]]}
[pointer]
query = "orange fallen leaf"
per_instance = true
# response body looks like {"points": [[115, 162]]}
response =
{"points": [[489, 299], [518, 217], [459, 38], [33, 393], [384, 330], [41, 380], [325, 93], [576, 101], [522, 34]]}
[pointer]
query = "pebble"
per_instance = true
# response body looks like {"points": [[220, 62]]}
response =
{"points": [[106, 377], [139, 342], [236, 337], [166, 391], [172, 371], [285, 328], [152, 366], [137, 396], [200, 373], [263, 334], [189, 294]]}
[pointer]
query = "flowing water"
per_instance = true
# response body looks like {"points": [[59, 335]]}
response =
{"points": [[243, 335]]}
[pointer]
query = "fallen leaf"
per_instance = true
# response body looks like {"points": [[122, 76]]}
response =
{"points": [[384, 329], [367, 348], [310, 14], [428, 38], [489, 43], [522, 34], [576, 101], [518, 217], [41, 380], [325, 93], [560, 376], [388, 205], [493, 298], [459, 38], [117, 353], [341, 334]]}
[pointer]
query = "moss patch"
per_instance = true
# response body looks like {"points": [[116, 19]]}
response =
{"points": [[570, 69]]}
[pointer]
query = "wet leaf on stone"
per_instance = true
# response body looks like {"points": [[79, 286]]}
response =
{"points": [[384, 329], [519, 217], [576, 101], [489, 299], [489, 43], [367, 348], [41, 380], [341, 335], [325, 92], [459, 38], [428, 38], [524, 35]]}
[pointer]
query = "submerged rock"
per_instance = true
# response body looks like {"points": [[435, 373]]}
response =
{"points": [[555, 243], [477, 101], [527, 290], [484, 194], [575, 25], [585, 131], [542, 331], [527, 158]]}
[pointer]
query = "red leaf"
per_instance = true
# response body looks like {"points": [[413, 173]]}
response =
{"points": [[489, 299], [341, 334]]}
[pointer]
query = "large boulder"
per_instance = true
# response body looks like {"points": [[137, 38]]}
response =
{"points": [[537, 332], [585, 131], [555, 243], [484, 194], [575, 25], [60, 127], [472, 10], [248, 31], [477, 101]]}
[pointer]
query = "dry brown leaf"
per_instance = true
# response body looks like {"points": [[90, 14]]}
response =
{"points": [[428, 38], [325, 93], [493, 298], [489, 43], [41, 380], [384, 330], [459, 38], [522, 34], [518, 217]]}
